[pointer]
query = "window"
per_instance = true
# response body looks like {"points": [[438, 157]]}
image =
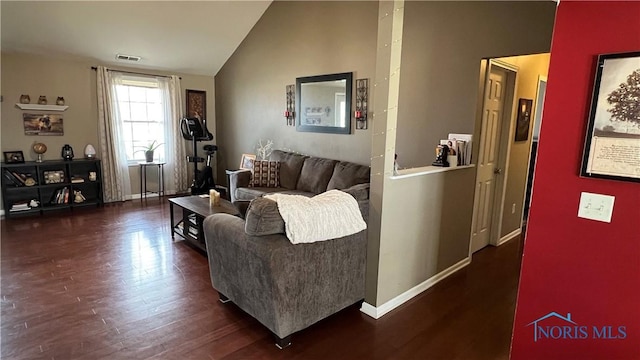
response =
{"points": [[142, 115]]}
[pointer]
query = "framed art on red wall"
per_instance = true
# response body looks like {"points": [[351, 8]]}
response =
{"points": [[612, 146]]}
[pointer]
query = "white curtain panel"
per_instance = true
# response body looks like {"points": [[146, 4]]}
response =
{"points": [[175, 153], [115, 171]]}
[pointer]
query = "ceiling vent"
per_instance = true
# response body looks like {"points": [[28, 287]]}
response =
{"points": [[128, 57]]}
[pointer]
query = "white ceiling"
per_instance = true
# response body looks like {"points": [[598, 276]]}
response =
{"points": [[192, 37]]}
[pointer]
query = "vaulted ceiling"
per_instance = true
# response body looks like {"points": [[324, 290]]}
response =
{"points": [[192, 37]]}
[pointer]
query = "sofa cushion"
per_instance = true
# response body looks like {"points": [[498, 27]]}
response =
{"points": [[248, 194], [290, 166], [360, 192], [315, 174], [265, 174], [263, 218], [346, 174]]}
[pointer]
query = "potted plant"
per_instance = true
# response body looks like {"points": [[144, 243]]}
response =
{"points": [[149, 149]]}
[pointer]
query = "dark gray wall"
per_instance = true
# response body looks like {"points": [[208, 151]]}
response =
{"points": [[443, 43], [293, 39]]}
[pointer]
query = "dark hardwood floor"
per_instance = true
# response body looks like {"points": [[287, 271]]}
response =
{"points": [[109, 283]]}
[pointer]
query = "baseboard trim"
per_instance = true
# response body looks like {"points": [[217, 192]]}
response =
{"points": [[378, 312], [1, 212], [509, 236], [149, 195]]}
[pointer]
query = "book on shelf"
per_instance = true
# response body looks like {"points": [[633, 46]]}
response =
{"points": [[76, 180], [10, 179], [463, 147], [193, 231], [23, 205], [19, 207], [61, 196], [19, 177]]}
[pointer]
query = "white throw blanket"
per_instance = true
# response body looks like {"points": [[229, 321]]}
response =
{"points": [[332, 214]]}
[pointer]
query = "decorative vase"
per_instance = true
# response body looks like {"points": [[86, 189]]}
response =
{"points": [[60, 101], [25, 99], [42, 100], [89, 151], [148, 155]]}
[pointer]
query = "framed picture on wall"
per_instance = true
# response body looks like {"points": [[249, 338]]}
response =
{"points": [[197, 104], [612, 145], [524, 119], [42, 124]]}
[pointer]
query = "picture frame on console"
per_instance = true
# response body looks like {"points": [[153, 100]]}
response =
{"points": [[13, 157], [612, 144], [246, 162]]}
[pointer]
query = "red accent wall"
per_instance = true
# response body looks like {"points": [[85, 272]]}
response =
{"points": [[587, 268]]}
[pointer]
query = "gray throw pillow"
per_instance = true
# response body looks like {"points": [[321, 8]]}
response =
{"points": [[263, 218], [346, 174], [315, 174], [290, 165]]}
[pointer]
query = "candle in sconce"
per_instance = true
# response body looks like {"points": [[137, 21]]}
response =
{"points": [[214, 198]]}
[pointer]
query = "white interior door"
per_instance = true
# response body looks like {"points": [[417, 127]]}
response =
{"points": [[488, 166]]}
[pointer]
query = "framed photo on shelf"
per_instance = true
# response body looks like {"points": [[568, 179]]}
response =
{"points": [[246, 162], [612, 145], [13, 157], [197, 104]]}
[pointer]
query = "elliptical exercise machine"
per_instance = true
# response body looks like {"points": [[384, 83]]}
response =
{"points": [[195, 131]]}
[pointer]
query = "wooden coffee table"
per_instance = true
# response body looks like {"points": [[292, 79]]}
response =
{"points": [[194, 210]]}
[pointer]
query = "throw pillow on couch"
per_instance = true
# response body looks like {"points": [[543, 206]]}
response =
{"points": [[265, 174]]}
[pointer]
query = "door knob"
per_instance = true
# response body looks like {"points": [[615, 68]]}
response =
{"points": [[497, 171]]}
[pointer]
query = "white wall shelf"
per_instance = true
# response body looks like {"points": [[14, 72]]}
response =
{"points": [[426, 170], [42, 107]]}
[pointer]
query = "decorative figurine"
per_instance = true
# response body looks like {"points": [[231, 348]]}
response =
{"points": [[39, 148], [60, 101], [42, 100], [67, 152], [78, 197], [442, 151], [25, 99]]}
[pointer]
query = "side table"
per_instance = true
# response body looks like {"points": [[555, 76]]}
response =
{"points": [[143, 178]]}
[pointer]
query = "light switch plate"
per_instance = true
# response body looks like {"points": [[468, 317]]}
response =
{"points": [[596, 206]]}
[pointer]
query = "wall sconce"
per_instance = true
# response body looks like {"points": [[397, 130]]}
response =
{"points": [[289, 113], [362, 93]]}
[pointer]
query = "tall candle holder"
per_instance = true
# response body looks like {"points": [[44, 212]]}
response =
{"points": [[289, 113], [362, 94]]}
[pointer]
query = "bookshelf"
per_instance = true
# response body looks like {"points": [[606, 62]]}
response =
{"points": [[37, 187]]}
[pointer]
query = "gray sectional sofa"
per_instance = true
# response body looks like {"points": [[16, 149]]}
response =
{"points": [[304, 175], [284, 286]]}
